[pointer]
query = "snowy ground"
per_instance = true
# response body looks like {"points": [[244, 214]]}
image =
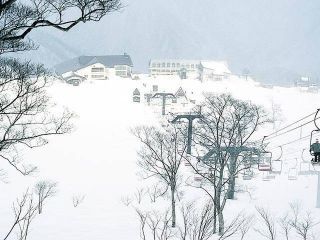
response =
{"points": [[98, 159]]}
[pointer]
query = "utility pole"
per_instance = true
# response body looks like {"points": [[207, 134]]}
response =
{"points": [[164, 97], [190, 118]]}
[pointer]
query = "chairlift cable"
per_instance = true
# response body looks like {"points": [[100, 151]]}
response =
{"points": [[292, 129], [271, 134]]}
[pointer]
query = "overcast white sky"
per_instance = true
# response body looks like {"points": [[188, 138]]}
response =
{"points": [[275, 39]]}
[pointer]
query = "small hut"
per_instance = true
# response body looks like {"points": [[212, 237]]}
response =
{"points": [[155, 88], [136, 95]]}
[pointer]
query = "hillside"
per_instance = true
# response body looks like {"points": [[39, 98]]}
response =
{"points": [[98, 159]]}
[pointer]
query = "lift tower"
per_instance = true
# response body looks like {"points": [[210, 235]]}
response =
{"points": [[164, 98], [190, 117]]}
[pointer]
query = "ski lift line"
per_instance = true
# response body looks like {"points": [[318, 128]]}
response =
{"points": [[295, 128], [296, 140], [290, 125]]}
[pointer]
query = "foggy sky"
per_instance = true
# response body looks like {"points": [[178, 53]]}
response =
{"points": [[277, 40]]}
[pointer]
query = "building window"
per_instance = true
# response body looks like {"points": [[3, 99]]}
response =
{"points": [[163, 65], [192, 66], [178, 65], [188, 66], [120, 67], [121, 73], [168, 65], [158, 65], [173, 65], [154, 65], [97, 76], [97, 69]]}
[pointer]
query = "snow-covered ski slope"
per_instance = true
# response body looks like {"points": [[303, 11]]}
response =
{"points": [[98, 159]]}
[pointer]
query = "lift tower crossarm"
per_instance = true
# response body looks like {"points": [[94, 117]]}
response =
{"points": [[164, 97], [190, 118]]}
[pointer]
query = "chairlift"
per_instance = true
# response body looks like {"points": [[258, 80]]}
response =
{"points": [[187, 164], [264, 163], [267, 176], [312, 136], [197, 178], [305, 166], [277, 163], [247, 174], [292, 173]]}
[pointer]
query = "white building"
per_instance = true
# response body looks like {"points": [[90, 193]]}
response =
{"points": [[214, 70], [174, 67], [95, 67], [204, 70]]}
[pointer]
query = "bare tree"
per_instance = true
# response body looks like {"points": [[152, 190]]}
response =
{"points": [[78, 199], [276, 115], [126, 200], [284, 224], [240, 225], [26, 120], [245, 227], [155, 226], [25, 210], [220, 137], [269, 230], [18, 18], [302, 223], [201, 225], [161, 156], [140, 192], [156, 191], [44, 190]]}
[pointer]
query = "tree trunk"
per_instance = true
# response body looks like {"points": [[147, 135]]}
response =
{"points": [[221, 223], [232, 183], [173, 207], [214, 218]]}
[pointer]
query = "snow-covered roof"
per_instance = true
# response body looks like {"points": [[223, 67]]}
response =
{"points": [[180, 93], [136, 92], [85, 61], [72, 75], [220, 67]]}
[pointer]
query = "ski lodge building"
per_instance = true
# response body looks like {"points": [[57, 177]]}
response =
{"points": [[204, 70], [95, 68]]}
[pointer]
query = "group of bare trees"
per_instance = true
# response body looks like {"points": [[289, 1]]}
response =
{"points": [[26, 118], [26, 208], [221, 139], [295, 224]]}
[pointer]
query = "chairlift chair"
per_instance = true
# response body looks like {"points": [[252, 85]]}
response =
{"points": [[292, 174], [265, 158], [305, 166], [267, 176], [264, 163], [197, 178], [312, 135], [247, 174], [187, 164], [277, 163]]}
